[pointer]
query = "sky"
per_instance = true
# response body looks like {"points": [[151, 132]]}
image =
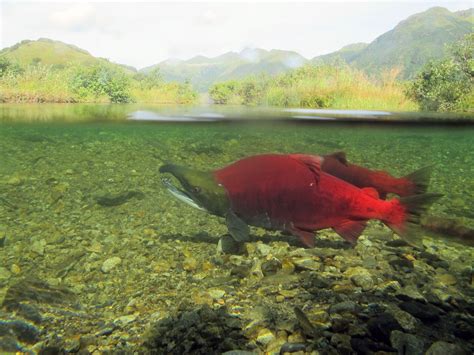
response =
{"points": [[145, 33]]}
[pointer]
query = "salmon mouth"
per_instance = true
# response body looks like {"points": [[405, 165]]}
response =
{"points": [[180, 194]]}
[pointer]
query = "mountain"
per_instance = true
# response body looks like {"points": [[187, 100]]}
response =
{"points": [[346, 53], [202, 71], [50, 52], [411, 44]]}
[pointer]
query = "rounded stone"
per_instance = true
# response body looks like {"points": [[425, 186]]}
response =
{"points": [[406, 343], [110, 264], [443, 348], [265, 336]]}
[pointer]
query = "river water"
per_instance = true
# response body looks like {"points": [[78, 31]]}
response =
{"points": [[98, 257]]}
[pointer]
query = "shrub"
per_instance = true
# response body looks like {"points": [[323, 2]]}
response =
{"points": [[99, 80], [448, 84]]}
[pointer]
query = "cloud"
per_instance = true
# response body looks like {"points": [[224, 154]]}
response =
{"points": [[76, 18]]}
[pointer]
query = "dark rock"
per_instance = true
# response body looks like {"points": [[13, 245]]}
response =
{"points": [[271, 267], [434, 260], [292, 347], [381, 326], [423, 311], [29, 312], [464, 330], [119, 199], [8, 344], [402, 265], [396, 243], [201, 331], [344, 307], [241, 271], [37, 291], [368, 346], [23, 331], [406, 343], [229, 245], [342, 342], [340, 325]]}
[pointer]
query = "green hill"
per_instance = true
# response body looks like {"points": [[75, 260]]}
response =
{"points": [[49, 52], [202, 71], [411, 44]]}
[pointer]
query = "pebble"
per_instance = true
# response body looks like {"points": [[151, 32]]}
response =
{"points": [[15, 181], [406, 343], [264, 249], [344, 307], [364, 281], [38, 246], [446, 279], [341, 341], [110, 264], [124, 320], [405, 319], [4, 273], [190, 264], [216, 293], [265, 336], [15, 269], [307, 263]]}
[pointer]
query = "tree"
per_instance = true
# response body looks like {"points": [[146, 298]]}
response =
{"points": [[448, 84]]}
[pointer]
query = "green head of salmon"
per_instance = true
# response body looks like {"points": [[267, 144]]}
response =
{"points": [[198, 189]]}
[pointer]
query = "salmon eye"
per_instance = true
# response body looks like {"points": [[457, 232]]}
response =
{"points": [[197, 189]]}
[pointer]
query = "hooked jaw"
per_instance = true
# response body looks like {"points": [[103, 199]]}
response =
{"points": [[198, 189]]}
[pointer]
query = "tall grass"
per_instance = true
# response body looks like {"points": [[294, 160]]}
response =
{"points": [[322, 86], [85, 84]]}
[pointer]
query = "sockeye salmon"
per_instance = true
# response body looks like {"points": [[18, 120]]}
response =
{"points": [[291, 193], [414, 184]]}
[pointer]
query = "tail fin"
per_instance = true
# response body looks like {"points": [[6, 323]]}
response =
{"points": [[406, 214], [419, 180]]}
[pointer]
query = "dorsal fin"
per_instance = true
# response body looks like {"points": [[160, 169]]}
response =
{"points": [[339, 156], [313, 162], [371, 192]]}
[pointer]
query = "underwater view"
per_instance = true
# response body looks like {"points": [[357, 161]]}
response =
{"points": [[103, 250]]}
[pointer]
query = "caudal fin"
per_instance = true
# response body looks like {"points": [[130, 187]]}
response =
{"points": [[419, 181], [406, 213]]}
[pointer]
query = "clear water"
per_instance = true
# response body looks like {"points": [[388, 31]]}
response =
{"points": [[150, 259]]}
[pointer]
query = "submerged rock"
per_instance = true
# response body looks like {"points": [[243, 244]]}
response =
{"points": [[119, 199], [37, 291], [380, 327], [444, 348], [200, 331], [406, 343], [110, 264]]}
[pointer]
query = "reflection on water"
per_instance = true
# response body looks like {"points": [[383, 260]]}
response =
{"points": [[118, 112], [98, 256]]}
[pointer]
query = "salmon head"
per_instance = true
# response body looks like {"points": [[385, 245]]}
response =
{"points": [[197, 188]]}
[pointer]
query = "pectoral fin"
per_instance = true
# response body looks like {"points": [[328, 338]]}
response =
{"points": [[350, 230], [238, 229], [305, 237]]}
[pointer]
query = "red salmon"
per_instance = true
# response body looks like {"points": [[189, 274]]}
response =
{"points": [[414, 184], [291, 193]]}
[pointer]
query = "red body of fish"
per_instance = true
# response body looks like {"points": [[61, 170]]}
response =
{"points": [[291, 193], [413, 184]]}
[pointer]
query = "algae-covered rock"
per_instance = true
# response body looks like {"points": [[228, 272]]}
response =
{"points": [[200, 331]]}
